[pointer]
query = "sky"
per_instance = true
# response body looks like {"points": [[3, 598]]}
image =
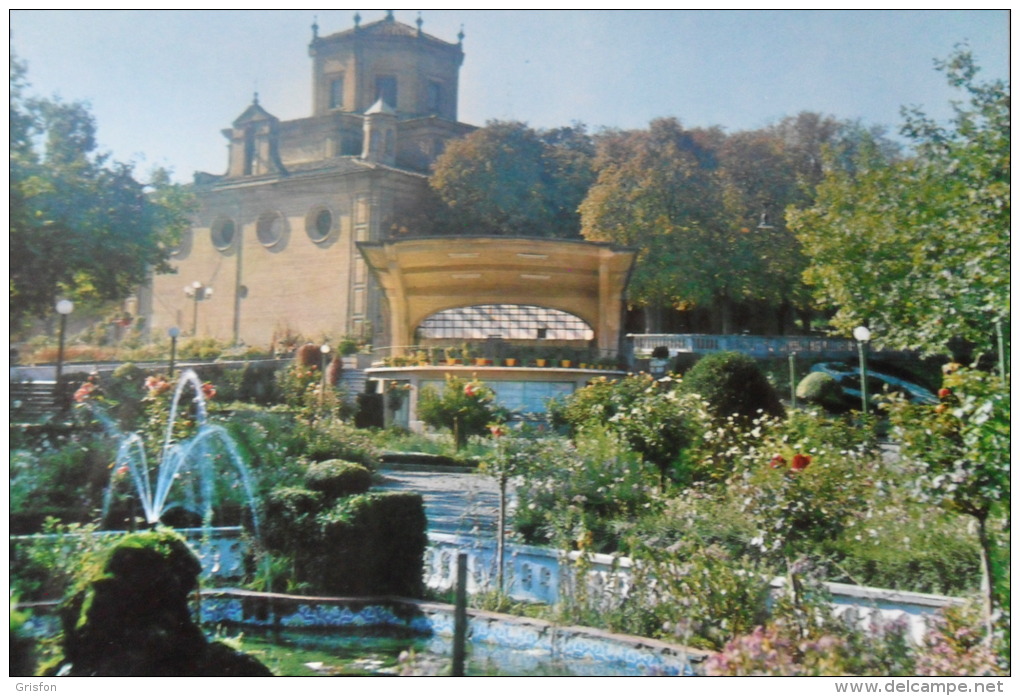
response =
{"points": [[162, 84]]}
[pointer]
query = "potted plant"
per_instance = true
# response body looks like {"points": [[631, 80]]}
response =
{"points": [[452, 355]]}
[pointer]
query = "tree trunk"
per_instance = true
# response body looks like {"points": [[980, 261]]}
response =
{"points": [[987, 578]]}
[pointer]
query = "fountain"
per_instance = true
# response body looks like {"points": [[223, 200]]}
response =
{"points": [[191, 460]]}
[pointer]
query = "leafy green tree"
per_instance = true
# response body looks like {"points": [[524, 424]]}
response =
{"points": [[656, 190], [509, 179], [81, 225], [918, 248], [465, 407]]}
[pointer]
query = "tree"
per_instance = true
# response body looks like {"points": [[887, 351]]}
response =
{"points": [[509, 179], [464, 407], [81, 225], [918, 248], [657, 190]]}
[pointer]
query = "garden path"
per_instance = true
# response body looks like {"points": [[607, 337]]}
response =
{"points": [[455, 502]]}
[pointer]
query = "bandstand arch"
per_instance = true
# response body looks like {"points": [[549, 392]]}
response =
{"points": [[423, 276]]}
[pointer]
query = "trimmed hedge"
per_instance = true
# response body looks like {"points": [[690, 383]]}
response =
{"points": [[336, 478], [732, 384]]}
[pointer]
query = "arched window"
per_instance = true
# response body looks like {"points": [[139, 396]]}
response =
{"points": [[509, 321]]}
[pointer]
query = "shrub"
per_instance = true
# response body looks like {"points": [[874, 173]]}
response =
{"points": [[371, 544], [732, 383], [335, 478], [335, 439], [823, 390], [465, 407], [583, 490], [656, 420]]}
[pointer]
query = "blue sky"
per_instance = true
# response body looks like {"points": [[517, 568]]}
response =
{"points": [[162, 84]]}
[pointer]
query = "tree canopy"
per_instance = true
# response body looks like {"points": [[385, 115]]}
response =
{"points": [[918, 248], [81, 225], [704, 209], [510, 179]]}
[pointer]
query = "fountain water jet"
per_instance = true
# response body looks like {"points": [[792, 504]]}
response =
{"points": [[195, 455]]}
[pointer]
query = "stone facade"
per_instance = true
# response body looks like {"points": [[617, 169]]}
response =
{"points": [[273, 247]]}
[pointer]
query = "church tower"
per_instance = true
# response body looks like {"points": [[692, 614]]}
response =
{"points": [[276, 234], [416, 74]]}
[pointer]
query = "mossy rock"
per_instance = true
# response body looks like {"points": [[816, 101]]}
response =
{"points": [[336, 478]]}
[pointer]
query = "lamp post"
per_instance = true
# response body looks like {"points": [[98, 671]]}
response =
{"points": [[863, 335], [173, 332], [63, 307], [322, 392], [793, 379], [197, 292]]}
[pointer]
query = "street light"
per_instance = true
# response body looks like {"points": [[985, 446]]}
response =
{"points": [[63, 307], [173, 332], [197, 292], [863, 335], [325, 355]]}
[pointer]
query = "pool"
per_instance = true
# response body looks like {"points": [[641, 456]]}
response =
{"points": [[304, 653], [338, 636]]}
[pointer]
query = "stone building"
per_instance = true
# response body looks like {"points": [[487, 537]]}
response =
{"points": [[273, 248]]}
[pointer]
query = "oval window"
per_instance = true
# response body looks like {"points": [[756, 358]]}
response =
{"points": [[319, 224], [269, 229], [223, 234]]}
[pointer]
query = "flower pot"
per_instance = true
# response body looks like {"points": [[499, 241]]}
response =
{"points": [[541, 362], [565, 363], [510, 362]]}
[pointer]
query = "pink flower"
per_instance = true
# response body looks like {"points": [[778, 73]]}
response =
{"points": [[208, 390], [497, 430], [156, 385], [470, 390]]}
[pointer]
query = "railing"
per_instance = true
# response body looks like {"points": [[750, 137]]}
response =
{"points": [[495, 353], [756, 346]]}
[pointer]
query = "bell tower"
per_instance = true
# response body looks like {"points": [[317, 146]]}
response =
{"points": [[414, 73]]}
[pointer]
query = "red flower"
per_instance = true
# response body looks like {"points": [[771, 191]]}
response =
{"points": [[497, 430], [945, 393], [800, 462], [84, 392], [122, 470], [469, 389], [208, 390], [778, 462]]}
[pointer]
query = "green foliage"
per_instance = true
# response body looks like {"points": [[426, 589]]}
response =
{"points": [[821, 389], [918, 249], [732, 384], [63, 479], [336, 478], [369, 544], [960, 450], [465, 407], [335, 439], [45, 567], [703, 595], [509, 179], [580, 491], [704, 210], [652, 416], [81, 225]]}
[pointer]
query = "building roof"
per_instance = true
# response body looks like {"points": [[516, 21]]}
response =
{"points": [[384, 28]]}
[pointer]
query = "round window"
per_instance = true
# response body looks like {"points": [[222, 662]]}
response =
{"points": [[319, 224], [223, 234], [269, 229]]}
